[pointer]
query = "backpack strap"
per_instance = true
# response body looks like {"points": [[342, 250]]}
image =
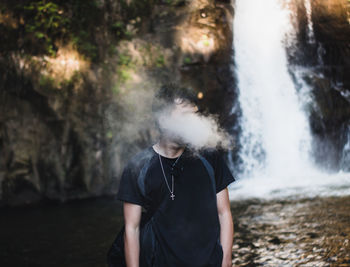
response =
{"points": [[147, 211], [142, 175], [210, 171]]}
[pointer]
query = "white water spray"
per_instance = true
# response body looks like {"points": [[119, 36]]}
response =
{"points": [[275, 137], [345, 161], [310, 26]]}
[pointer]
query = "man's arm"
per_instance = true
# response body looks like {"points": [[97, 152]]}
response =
{"points": [[226, 226], [132, 217]]}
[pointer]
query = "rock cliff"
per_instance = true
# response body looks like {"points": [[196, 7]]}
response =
{"points": [[77, 80]]}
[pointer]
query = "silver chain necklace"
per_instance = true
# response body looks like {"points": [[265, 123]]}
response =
{"points": [[172, 177]]}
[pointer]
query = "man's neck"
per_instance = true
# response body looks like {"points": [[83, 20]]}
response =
{"points": [[168, 148]]}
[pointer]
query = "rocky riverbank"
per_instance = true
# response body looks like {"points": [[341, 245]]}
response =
{"points": [[307, 232]]}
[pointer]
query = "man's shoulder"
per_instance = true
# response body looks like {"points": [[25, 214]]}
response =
{"points": [[210, 153], [213, 155], [140, 158]]}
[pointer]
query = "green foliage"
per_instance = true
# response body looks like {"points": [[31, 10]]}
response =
{"points": [[85, 20], [206, 43], [173, 2], [87, 48], [160, 61], [46, 22], [135, 8], [119, 28], [70, 83], [109, 134], [187, 60], [46, 82], [152, 56], [124, 67], [123, 74], [131, 13], [124, 59], [115, 89], [121, 31], [112, 50], [50, 84]]}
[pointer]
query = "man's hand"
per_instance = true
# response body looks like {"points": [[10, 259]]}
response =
{"points": [[226, 226], [132, 217]]}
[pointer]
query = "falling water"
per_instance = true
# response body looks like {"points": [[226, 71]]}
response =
{"points": [[345, 161], [275, 139], [310, 27]]}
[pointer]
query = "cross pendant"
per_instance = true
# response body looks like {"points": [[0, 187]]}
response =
{"points": [[172, 196]]}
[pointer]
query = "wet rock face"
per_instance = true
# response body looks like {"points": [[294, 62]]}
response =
{"points": [[332, 33], [50, 147], [332, 30], [201, 36], [325, 53], [62, 131]]}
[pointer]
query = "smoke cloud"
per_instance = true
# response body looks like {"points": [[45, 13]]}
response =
{"points": [[182, 122]]}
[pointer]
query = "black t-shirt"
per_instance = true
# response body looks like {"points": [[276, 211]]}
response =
{"points": [[187, 229]]}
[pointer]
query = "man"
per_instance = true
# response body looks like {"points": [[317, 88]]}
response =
{"points": [[187, 220]]}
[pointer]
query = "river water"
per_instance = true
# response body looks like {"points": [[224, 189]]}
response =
{"points": [[72, 234]]}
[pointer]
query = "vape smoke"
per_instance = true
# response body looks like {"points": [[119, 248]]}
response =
{"points": [[184, 124], [132, 127]]}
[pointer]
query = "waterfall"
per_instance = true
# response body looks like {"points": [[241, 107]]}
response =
{"points": [[310, 27], [275, 140], [345, 161]]}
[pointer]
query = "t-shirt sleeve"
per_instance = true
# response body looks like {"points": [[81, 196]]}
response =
{"points": [[223, 175], [129, 190]]}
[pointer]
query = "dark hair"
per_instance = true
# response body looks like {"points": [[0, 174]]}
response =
{"points": [[167, 94]]}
